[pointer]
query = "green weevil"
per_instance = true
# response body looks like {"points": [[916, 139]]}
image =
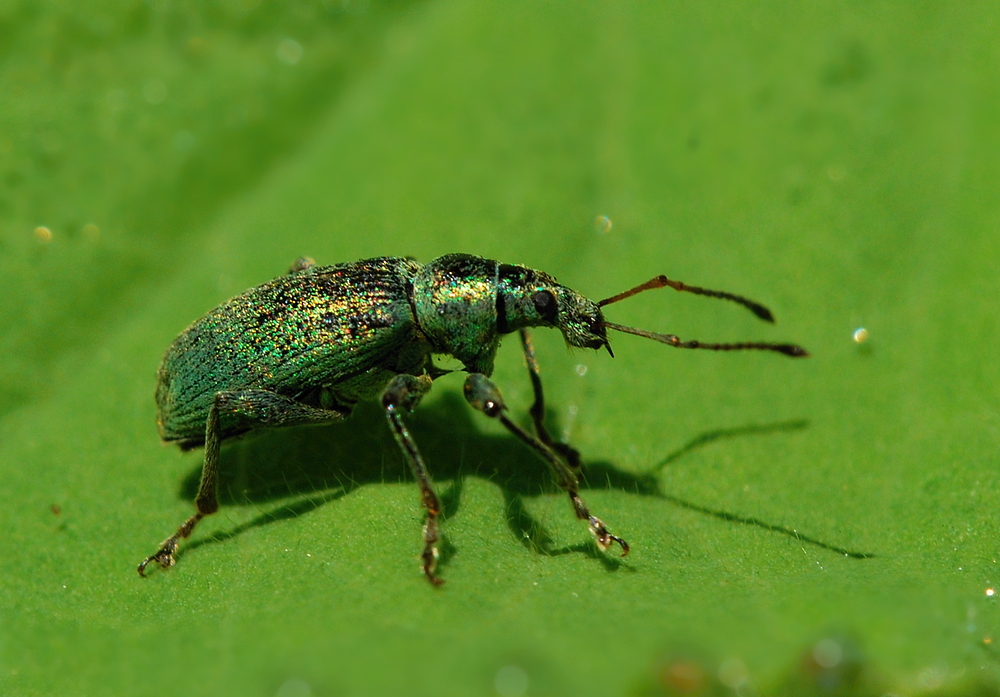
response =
{"points": [[307, 346]]}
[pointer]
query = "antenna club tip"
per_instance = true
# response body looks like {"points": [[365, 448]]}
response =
{"points": [[762, 312], [795, 351]]}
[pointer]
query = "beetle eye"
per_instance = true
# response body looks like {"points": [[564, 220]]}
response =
{"points": [[545, 305]]}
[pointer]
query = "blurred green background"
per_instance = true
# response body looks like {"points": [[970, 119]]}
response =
{"points": [[836, 160]]}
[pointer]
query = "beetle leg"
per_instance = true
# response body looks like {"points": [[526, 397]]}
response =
{"points": [[250, 408], [570, 454], [403, 394], [484, 396]]}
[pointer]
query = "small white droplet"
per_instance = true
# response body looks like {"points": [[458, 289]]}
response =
{"points": [[293, 687], [154, 92], [860, 335], [733, 673], [990, 592], [289, 51], [581, 369], [602, 224], [511, 681], [828, 653]]}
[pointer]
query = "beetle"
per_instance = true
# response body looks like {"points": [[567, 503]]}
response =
{"points": [[306, 347]]}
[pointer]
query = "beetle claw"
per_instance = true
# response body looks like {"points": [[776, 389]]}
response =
{"points": [[430, 555], [604, 538], [165, 556]]}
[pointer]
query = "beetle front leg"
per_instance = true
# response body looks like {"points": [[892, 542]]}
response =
{"points": [[403, 394], [484, 396]]}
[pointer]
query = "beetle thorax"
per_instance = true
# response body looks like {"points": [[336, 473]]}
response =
{"points": [[454, 298]]}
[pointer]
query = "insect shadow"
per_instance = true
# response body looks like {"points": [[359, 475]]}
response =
{"points": [[319, 464]]}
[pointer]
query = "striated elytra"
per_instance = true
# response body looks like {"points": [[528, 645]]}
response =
{"points": [[307, 346]]}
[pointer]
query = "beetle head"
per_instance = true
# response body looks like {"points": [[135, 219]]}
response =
{"points": [[530, 298], [580, 319]]}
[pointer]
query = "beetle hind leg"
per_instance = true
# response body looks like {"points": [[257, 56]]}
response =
{"points": [[249, 409]]}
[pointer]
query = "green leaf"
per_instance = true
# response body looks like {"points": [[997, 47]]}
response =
{"points": [[824, 525]]}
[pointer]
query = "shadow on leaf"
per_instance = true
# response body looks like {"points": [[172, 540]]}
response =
{"points": [[316, 465]]}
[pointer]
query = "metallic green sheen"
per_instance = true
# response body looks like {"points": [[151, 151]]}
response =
{"points": [[328, 337], [347, 328], [455, 301]]}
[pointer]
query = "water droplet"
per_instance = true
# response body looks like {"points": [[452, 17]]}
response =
{"points": [[602, 224], [860, 335], [43, 233], [289, 51], [511, 681], [293, 687], [154, 92], [990, 592], [827, 653], [581, 369], [733, 673]]}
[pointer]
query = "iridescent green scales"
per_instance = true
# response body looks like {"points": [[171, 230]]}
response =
{"points": [[348, 327]]}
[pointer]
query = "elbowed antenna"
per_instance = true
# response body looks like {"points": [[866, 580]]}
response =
{"points": [[662, 281], [792, 350]]}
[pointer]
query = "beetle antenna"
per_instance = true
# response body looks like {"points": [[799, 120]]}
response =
{"points": [[661, 281], [787, 349]]}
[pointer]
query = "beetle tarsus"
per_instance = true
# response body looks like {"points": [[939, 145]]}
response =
{"points": [[165, 555], [598, 529], [604, 538], [431, 554]]}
